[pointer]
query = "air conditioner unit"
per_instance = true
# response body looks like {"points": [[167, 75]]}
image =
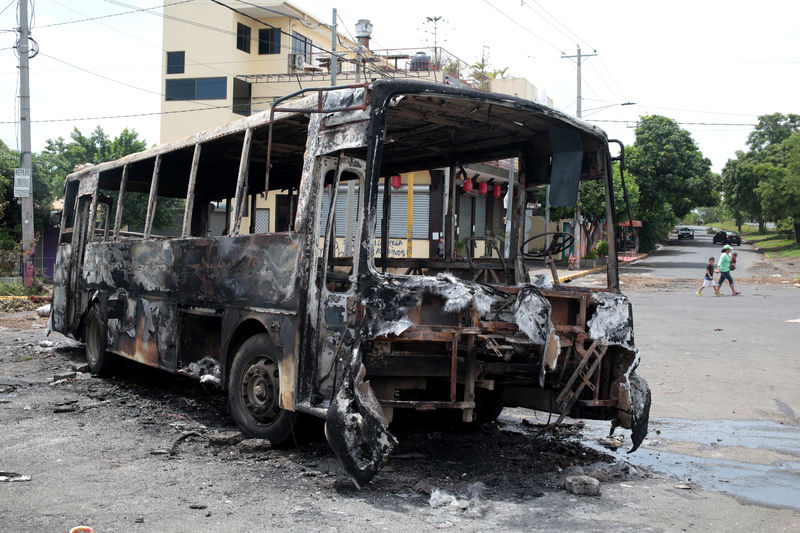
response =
{"points": [[298, 61]]}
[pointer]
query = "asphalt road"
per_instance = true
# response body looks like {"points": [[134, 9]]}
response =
{"points": [[723, 372], [687, 258]]}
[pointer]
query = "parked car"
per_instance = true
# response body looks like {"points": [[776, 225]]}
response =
{"points": [[685, 233], [727, 237]]}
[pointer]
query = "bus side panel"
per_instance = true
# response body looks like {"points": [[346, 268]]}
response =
{"points": [[61, 288], [142, 283]]}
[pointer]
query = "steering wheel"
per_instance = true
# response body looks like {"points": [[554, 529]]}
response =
{"points": [[561, 241]]}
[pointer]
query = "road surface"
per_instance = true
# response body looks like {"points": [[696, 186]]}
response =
{"points": [[723, 443]]}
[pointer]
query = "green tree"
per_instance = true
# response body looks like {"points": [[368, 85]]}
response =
{"points": [[779, 189], [593, 204], [672, 175], [740, 177], [772, 129], [10, 207], [61, 157]]}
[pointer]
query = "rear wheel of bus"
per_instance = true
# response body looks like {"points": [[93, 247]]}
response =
{"points": [[100, 361], [254, 392]]}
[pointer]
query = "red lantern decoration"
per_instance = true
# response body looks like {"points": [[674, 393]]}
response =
{"points": [[396, 182], [467, 184], [497, 191], [483, 188]]}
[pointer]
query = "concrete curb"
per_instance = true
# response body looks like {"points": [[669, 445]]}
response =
{"points": [[594, 270]]}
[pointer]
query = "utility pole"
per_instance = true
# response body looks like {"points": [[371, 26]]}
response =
{"points": [[577, 227], [334, 57], [578, 57], [23, 177]]}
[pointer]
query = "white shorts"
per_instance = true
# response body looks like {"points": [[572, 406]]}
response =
{"points": [[709, 283]]}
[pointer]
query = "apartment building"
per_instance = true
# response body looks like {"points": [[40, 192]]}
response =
{"points": [[227, 60]]}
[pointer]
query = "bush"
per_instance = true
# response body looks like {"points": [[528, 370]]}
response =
{"points": [[602, 248], [591, 254], [17, 288]]}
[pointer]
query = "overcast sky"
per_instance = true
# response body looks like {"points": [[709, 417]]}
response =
{"points": [[711, 65]]}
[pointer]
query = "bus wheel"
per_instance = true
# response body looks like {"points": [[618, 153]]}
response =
{"points": [[100, 362], [254, 392]]}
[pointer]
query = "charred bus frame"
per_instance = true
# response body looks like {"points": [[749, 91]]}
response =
{"points": [[287, 325]]}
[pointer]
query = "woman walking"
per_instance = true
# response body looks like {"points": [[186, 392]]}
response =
{"points": [[724, 269]]}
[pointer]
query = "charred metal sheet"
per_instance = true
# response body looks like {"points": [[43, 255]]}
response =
{"points": [[612, 323], [61, 277], [355, 426]]}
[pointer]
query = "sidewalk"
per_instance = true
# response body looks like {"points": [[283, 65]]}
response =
{"points": [[573, 274]]}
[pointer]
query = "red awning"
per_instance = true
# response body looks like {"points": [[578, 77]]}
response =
{"points": [[636, 223]]}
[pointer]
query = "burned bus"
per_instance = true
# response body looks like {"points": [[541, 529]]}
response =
{"points": [[288, 321]]}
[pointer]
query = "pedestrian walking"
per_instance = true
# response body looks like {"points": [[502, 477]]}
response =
{"points": [[724, 269], [708, 277]]}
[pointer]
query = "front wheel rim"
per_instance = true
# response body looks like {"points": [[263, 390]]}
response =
{"points": [[259, 388]]}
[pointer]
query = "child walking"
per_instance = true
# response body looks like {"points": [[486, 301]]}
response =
{"points": [[708, 278]]}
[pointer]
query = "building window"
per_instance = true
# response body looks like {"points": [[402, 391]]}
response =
{"points": [[301, 46], [176, 62], [269, 41], [243, 37], [197, 89], [242, 91]]}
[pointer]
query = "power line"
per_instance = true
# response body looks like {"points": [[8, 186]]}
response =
{"points": [[130, 115], [12, 2], [548, 43], [189, 60], [108, 16], [100, 75], [577, 37], [681, 123]]}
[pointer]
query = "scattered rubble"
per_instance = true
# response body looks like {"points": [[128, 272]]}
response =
{"points": [[12, 477], [254, 445], [582, 485], [225, 438]]}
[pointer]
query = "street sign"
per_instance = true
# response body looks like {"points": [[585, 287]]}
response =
{"points": [[22, 182]]}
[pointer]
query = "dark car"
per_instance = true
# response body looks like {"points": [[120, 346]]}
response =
{"points": [[727, 237], [685, 233]]}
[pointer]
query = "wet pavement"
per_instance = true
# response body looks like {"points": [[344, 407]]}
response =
{"points": [[706, 453]]}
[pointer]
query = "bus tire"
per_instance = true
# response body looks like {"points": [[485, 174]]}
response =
{"points": [[100, 361], [254, 392]]}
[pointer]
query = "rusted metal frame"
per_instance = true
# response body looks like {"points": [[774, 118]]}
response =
{"points": [[449, 221], [586, 355], [330, 223], [387, 215], [93, 212], [471, 373], [584, 381], [454, 367], [187, 213], [582, 312], [244, 163], [320, 109], [422, 405], [253, 201], [123, 184], [518, 222], [612, 267], [151, 201]]}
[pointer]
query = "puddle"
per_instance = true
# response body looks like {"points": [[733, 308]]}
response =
{"points": [[775, 483]]}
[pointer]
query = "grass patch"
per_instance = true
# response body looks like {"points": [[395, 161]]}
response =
{"points": [[17, 288]]}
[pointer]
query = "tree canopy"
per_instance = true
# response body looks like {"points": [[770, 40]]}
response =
{"points": [[761, 183], [672, 175], [50, 168]]}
